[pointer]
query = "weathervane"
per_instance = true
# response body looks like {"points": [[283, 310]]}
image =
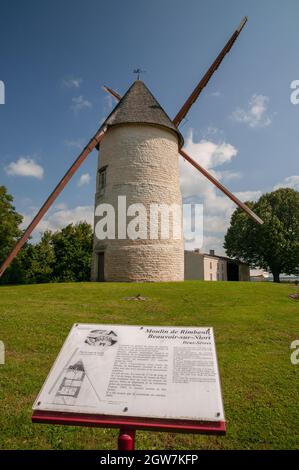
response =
{"points": [[138, 72]]}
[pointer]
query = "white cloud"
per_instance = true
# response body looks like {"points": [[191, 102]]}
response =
{"points": [[256, 114], [213, 243], [72, 82], [79, 103], [59, 218], [289, 182], [63, 217], [210, 242], [208, 154], [25, 166], [218, 208], [228, 175], [248, 195], [84, 179]]}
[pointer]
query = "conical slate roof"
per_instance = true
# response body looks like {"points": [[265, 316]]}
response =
{"points": [[139, 105]]}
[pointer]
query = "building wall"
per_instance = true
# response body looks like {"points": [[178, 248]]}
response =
{"points": [[194, 268], [244, 272], [142, 164], [214, 269], [210, 268]]}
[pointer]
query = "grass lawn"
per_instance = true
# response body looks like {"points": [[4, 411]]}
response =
{"points": [[254, 324]]}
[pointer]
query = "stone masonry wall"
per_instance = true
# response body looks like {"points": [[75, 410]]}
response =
{"points": [[142, 164]]}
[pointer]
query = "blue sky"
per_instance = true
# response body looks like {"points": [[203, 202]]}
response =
{"points": [[55, 55]]}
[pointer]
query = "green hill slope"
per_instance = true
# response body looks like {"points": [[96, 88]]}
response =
{"points": [[254, 324]]}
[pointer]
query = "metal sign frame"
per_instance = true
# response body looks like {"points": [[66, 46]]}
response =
{"points": [[144, 424]]}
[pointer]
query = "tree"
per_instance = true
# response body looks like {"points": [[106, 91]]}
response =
{"points": [[61, 256], [72, 250], [273, 246], [38, 260], [9, 234]]}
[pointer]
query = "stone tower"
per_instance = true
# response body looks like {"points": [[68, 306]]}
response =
{"points": [[138, 160]]}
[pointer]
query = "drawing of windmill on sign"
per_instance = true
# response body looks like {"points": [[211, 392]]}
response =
{"points": [[72, 382], [139, 147]]}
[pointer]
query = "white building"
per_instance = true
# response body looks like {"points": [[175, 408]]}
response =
{"points": [[259, 275], [209, 267]]}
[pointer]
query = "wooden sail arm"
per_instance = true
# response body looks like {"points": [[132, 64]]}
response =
{"points": [[205, 79], [222, 188], [111, 92]]}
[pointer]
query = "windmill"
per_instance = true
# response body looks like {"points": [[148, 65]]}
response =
{"points": [[139, 129]]}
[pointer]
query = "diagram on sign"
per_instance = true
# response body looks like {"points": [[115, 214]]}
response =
{"points": [[71, 384], [71, 381]]}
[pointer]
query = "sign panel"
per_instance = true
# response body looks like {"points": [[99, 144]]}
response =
{"points": [[137, 371]]}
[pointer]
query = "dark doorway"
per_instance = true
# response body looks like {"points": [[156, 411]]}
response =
{"points": [[232, 271], [101, 277]]}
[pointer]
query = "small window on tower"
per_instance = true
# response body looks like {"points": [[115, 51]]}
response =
{"points": [[102, 179]]}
